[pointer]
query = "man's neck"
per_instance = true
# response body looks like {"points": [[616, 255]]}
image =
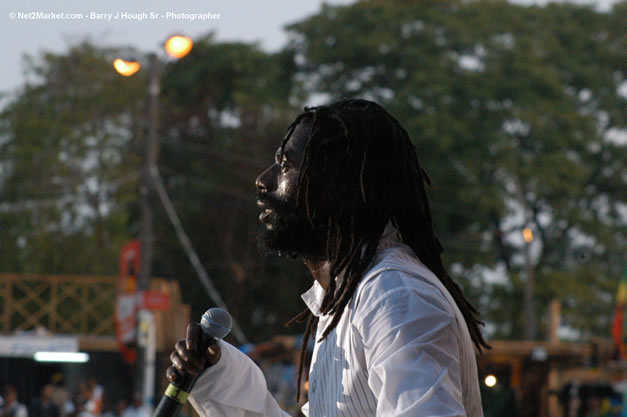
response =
{"points": [[320, 269]]}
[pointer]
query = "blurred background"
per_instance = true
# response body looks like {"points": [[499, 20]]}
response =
{"points": [[127, 203]]}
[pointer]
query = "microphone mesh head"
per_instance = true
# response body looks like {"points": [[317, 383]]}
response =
{"points": [[216, 323]]}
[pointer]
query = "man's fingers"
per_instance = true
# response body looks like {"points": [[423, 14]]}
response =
{"points": [[189, 356], [171, 374], [180, 346], [186, 360], [193, 336], [213, 354], [183, 366]]}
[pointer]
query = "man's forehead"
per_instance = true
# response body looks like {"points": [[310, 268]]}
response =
{"points": [[297, 141]]}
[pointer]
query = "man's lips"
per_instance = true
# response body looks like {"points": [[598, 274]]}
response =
{"points": [[264, 214], [266, 211]]}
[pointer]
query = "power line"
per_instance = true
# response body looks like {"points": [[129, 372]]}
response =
{"points": [[191, 252]]}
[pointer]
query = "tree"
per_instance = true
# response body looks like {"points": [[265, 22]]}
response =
{"points": [[514, 111], [69, 164]]}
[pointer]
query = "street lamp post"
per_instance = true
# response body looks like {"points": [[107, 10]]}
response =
{"points": [[151, 152], [530, 312], [177, 47]]}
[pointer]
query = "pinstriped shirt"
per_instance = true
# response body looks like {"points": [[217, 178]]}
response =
{"points": [[400, 349], [337, 387], [395, 351]]}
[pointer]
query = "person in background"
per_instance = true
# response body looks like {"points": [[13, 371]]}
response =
{"points": [[81, 404], [120, 406], [43, 406], [135, 409], [12, 407], [61, 397], [95, 393]]}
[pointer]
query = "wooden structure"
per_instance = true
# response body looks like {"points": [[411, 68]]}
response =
{"points": [[172, 323], [537, 370], [61, 304], [83, 306]]}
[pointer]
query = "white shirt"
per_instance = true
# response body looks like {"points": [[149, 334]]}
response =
{"points": [[15, 410], [395, 352]]}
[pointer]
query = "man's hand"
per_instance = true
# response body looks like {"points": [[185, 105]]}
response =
{"points": [[186, 360]]}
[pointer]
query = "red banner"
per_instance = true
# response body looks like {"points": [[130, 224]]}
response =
{"points": [[127, 304], [155, 300]]}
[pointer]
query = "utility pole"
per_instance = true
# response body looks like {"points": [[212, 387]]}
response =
{"points": [[151, 153], [530, 310], [146, 357], [177, 47]]}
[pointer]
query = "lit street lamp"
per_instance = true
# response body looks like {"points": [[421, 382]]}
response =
{"points": [[178, 46], [126, 68]]}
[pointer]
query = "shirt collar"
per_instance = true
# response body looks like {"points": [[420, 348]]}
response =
{"points": [[390, 238], [313, 298]]}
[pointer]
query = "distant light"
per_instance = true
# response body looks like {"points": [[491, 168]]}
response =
{"points": [[490, 381], [178, 46], [77, 357], [539, 354], [306, 385], [527, 234], [126, 68]]}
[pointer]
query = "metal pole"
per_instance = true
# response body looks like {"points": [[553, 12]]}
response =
{"points": [[147, 191], [151, 151], [148, 340], [530, 312]]}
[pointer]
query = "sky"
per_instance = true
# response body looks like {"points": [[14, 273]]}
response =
{"points": [[131, 24], [244, 20]]}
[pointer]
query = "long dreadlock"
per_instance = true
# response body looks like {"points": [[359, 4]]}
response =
{"points": [[359, 151]]}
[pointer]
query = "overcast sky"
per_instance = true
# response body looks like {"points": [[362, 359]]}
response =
{"points": [[247, 20]]}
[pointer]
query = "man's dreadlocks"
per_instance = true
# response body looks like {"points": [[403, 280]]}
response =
{"points": [[360, 155]]}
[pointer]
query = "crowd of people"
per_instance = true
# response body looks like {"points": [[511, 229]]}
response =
{"points": [[55, 400], [276, 357]]}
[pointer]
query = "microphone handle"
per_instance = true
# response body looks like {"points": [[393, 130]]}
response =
{"points": [[177, 392]]}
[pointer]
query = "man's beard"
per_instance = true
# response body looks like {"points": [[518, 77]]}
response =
{"points": [[286, 230]]}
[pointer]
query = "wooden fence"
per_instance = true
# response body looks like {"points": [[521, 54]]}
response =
{"points": [[82, 305]]}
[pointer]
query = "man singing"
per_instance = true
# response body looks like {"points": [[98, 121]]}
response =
{"points": [[393, 333]]}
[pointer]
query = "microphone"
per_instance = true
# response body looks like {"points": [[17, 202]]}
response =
{"points": [[215, 324]]}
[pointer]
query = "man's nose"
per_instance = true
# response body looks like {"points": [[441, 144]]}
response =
{"points": [[263, 181]]}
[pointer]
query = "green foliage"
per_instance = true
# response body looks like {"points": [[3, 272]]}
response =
{"points": [[68, 170]]}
